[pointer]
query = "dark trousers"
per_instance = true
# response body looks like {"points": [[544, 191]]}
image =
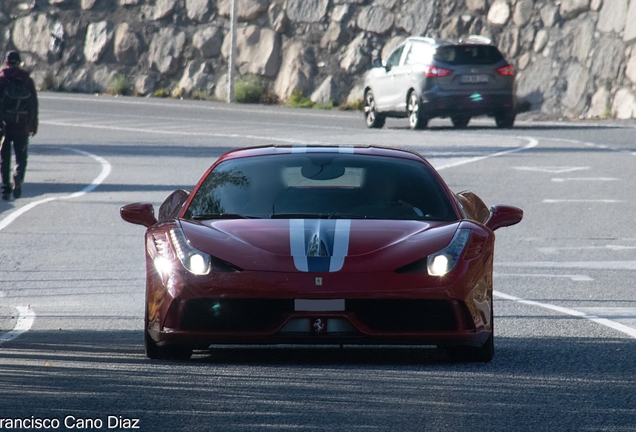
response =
{"points": [[20, 145]]}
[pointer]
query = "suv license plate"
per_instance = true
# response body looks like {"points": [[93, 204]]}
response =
{"points": [[473, 79]]}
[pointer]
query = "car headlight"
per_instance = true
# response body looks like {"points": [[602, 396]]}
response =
{"points": [[192, 259], [442, 262]]}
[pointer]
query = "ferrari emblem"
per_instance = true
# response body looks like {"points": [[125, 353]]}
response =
{"points": [[319, 326], [318, 281]]}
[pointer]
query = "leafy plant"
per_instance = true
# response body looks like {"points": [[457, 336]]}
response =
{"points": [[119, 85], [162, 93], [297, 100], [249, 89], [200, 95], [356, 105]]}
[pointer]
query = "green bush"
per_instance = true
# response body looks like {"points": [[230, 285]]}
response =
{"points": [[162, 93], [200, 95], [356, 105], [327, 106], [249, 89], [297, 100], [119, 85]]}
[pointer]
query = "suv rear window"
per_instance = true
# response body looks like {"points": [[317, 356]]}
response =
{"points": [[468, 54]]}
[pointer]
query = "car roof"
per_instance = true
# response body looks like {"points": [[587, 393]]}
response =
{"points": [[351, 149], [472, 39]]}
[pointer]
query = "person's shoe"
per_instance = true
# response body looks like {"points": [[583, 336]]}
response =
{"points": [[17, 189], [6, 196]]}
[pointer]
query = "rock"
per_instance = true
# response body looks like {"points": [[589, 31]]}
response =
{"points": [[523, 61], [58, 2], [630, 22], [537, 83], [416, 16], [595, 5], [220, 89], [391, 45], [571, 8], [375, 19], [583, 38], [541, 40], [166, 50], [341, 13], [98, 38], [87, 4], [389, 4], [549, 15], [608, 58], [163, 9], [334, 37], [144, 85], [499, 12], [600, 104], [307, 10], [453, 28], [257, 51], [479, 6], [624, 105], [611, 18], [509, 42], [128, 2], [198, 10], [32, 33], [578, 79], [526, 38], [357, 92], [247, 10], [196, 76], [208, 41], [630, 71], [325, 93], [278, 18], [523, 12], [356, 56], [127, 45], [296, 71]]}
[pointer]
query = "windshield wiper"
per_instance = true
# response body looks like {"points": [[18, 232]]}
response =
{"points": [[206, 216]]}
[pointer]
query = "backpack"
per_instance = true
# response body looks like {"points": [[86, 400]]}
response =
{"points": [[15, 105]]}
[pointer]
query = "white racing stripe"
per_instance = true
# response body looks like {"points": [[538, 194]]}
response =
{"points": [[27, 316], [573, 312], [340, 244], [24, 323]]}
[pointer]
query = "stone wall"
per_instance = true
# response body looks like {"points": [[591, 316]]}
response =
{"points": [[575, 58]]}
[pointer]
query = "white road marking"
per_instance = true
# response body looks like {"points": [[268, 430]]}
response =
{"points": [[573, 312], [603, 201], [550, 169], [27, 316], [532, 142], [611, 312], [586, 265], [566, 179], [25, 321], [554, 250], [573, 277]]}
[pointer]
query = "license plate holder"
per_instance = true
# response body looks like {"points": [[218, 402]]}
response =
{"points": [[473, 79]]}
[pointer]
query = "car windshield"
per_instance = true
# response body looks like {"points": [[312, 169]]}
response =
{"points": [[468, 54], [321, 185]]}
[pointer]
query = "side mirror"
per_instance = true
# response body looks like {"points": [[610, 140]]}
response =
{"points": [[172, 205], [388, 67], [376, 63], [503, 216], [139, 214]]}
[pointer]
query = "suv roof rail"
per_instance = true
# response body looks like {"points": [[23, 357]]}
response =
{"points": [[429, 40], [477, 39]]}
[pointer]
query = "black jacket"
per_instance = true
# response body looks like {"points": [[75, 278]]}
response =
{"points": [[17, 74]]}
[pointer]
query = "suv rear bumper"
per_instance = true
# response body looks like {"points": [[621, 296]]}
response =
{"points": [[436, 104]]}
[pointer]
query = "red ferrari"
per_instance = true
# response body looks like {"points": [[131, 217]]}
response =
{"points": [[320, 245]]}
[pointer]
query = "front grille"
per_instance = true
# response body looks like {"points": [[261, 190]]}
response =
{"points": [[234, 314], [404, 315]]}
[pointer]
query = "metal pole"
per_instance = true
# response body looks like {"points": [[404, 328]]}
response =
{"points": [[232, 59]]}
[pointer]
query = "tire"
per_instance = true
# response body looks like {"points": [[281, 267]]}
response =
{"points": [[414, 112], [483, 354], [173, 352], [505, 120], [372, 118], [460, 122]]}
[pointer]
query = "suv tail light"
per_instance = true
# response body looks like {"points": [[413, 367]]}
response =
{"points": [[508, 70], [435, 71]]}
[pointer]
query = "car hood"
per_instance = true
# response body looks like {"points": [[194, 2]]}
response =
{"points": [[318, 245]]}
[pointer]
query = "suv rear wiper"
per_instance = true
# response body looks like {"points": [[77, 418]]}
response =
{"points": [[206, 216]]}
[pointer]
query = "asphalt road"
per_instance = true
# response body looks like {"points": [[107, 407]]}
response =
{"points": [[72, 281]]}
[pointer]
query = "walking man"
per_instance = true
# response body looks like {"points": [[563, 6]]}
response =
{"points": [[19, 115]]}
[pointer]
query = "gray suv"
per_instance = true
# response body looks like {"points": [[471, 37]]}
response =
{"points": [[425, 78]]}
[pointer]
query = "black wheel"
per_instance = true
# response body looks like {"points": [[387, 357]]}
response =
{"points": [[505, 120], [372, 118], [156, 352], [460, 121], [414, 112], [483, 354]]}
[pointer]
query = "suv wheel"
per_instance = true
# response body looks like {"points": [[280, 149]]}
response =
{"points": [[460, 122], [505, 120], [416, 119], [371, 116]]}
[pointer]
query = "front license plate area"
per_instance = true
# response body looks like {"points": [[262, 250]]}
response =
{"points": [[302, 305], [473, 79]]}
